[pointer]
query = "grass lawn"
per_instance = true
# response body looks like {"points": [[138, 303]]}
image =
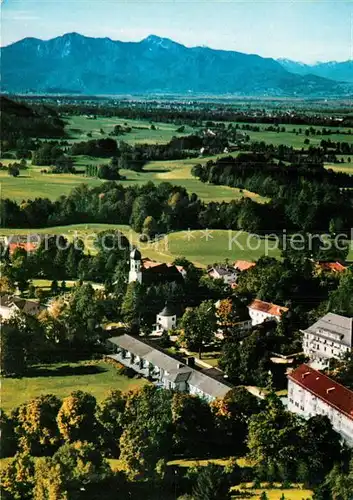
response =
{"points": [[63, 378]]}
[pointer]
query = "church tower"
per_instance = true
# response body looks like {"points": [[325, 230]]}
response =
{"points": [[135, 273]]}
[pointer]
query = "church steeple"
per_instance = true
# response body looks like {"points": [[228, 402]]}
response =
{"points": [[135, 273]]}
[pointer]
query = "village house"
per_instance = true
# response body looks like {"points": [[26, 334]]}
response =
{"points": [[10, 305], [329, 337], [226, 273], [261, 311], [329, 267], [243, 265], [27, 242], [164, 370], [312, 393]]}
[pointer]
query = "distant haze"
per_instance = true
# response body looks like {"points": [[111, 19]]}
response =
{"points": [[307, 31]]}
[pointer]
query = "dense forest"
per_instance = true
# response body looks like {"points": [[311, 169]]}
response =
{"points": [[20, 121], [164, 208]]}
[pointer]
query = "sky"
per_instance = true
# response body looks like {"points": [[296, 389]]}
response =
{"points": [[302, 30]]}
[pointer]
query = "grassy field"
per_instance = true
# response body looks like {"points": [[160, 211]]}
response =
{"points": [[33, 184], [201, 247], [61, 379], [276, 494], [79, 126]]}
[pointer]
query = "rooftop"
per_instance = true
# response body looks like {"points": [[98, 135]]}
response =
{"points": [[267, 307], [222, 270], [322, 386], [243, 265], [174, 368], [335, 267], [334, 324], [24, 305]]}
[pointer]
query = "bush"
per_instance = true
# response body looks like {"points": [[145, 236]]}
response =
{"points": [[127, 372]]}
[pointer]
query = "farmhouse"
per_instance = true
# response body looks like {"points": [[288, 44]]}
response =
{"points": [[330, 337], [261, 311], [164, 370], [311, 393], [226, 273], [11, 305], [243, 265]]}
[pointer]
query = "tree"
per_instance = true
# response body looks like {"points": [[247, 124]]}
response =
{"points": [[318, 436], [110, 414], [8, 438], [37, 427], [76, 418], [274, 436], [212, 483], [54, 287], [17, 478], [13, 170], [132, 305], [147, 435], [73, 469], [341, 300], [6, 285], [150, 227], [232, 415], [198, 326], [139, 453], [12, 352], [193, 423]]}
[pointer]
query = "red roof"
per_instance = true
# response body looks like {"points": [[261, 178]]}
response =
{"points": [[335, 267], [267, 307], [243, 265], [29, 247], [322, 386]]}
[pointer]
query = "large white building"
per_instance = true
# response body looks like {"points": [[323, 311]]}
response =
{"points": [[311, 393], [330, 337]]}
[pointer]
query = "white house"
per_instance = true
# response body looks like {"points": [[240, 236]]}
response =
{"points": [[311, 393], [166, 320], [330, 337], [227, 274], [11, 305], [164, 370], [261, 311]]}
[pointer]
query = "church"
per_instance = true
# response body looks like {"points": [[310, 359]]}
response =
{"points": [[151, 272]]}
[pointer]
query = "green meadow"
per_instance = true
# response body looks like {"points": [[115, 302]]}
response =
{"points": [[63, 378], [201, 247], [32, 183], [79, 126]]}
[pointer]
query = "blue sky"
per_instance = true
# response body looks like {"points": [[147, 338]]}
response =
{"points": [[304, 30]]}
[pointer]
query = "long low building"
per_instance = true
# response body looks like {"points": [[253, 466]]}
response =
{"points": [[311, 393], [165, 370]]}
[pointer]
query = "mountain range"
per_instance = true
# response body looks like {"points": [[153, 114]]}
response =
{"points": [[74, 63], [339, 71]]}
